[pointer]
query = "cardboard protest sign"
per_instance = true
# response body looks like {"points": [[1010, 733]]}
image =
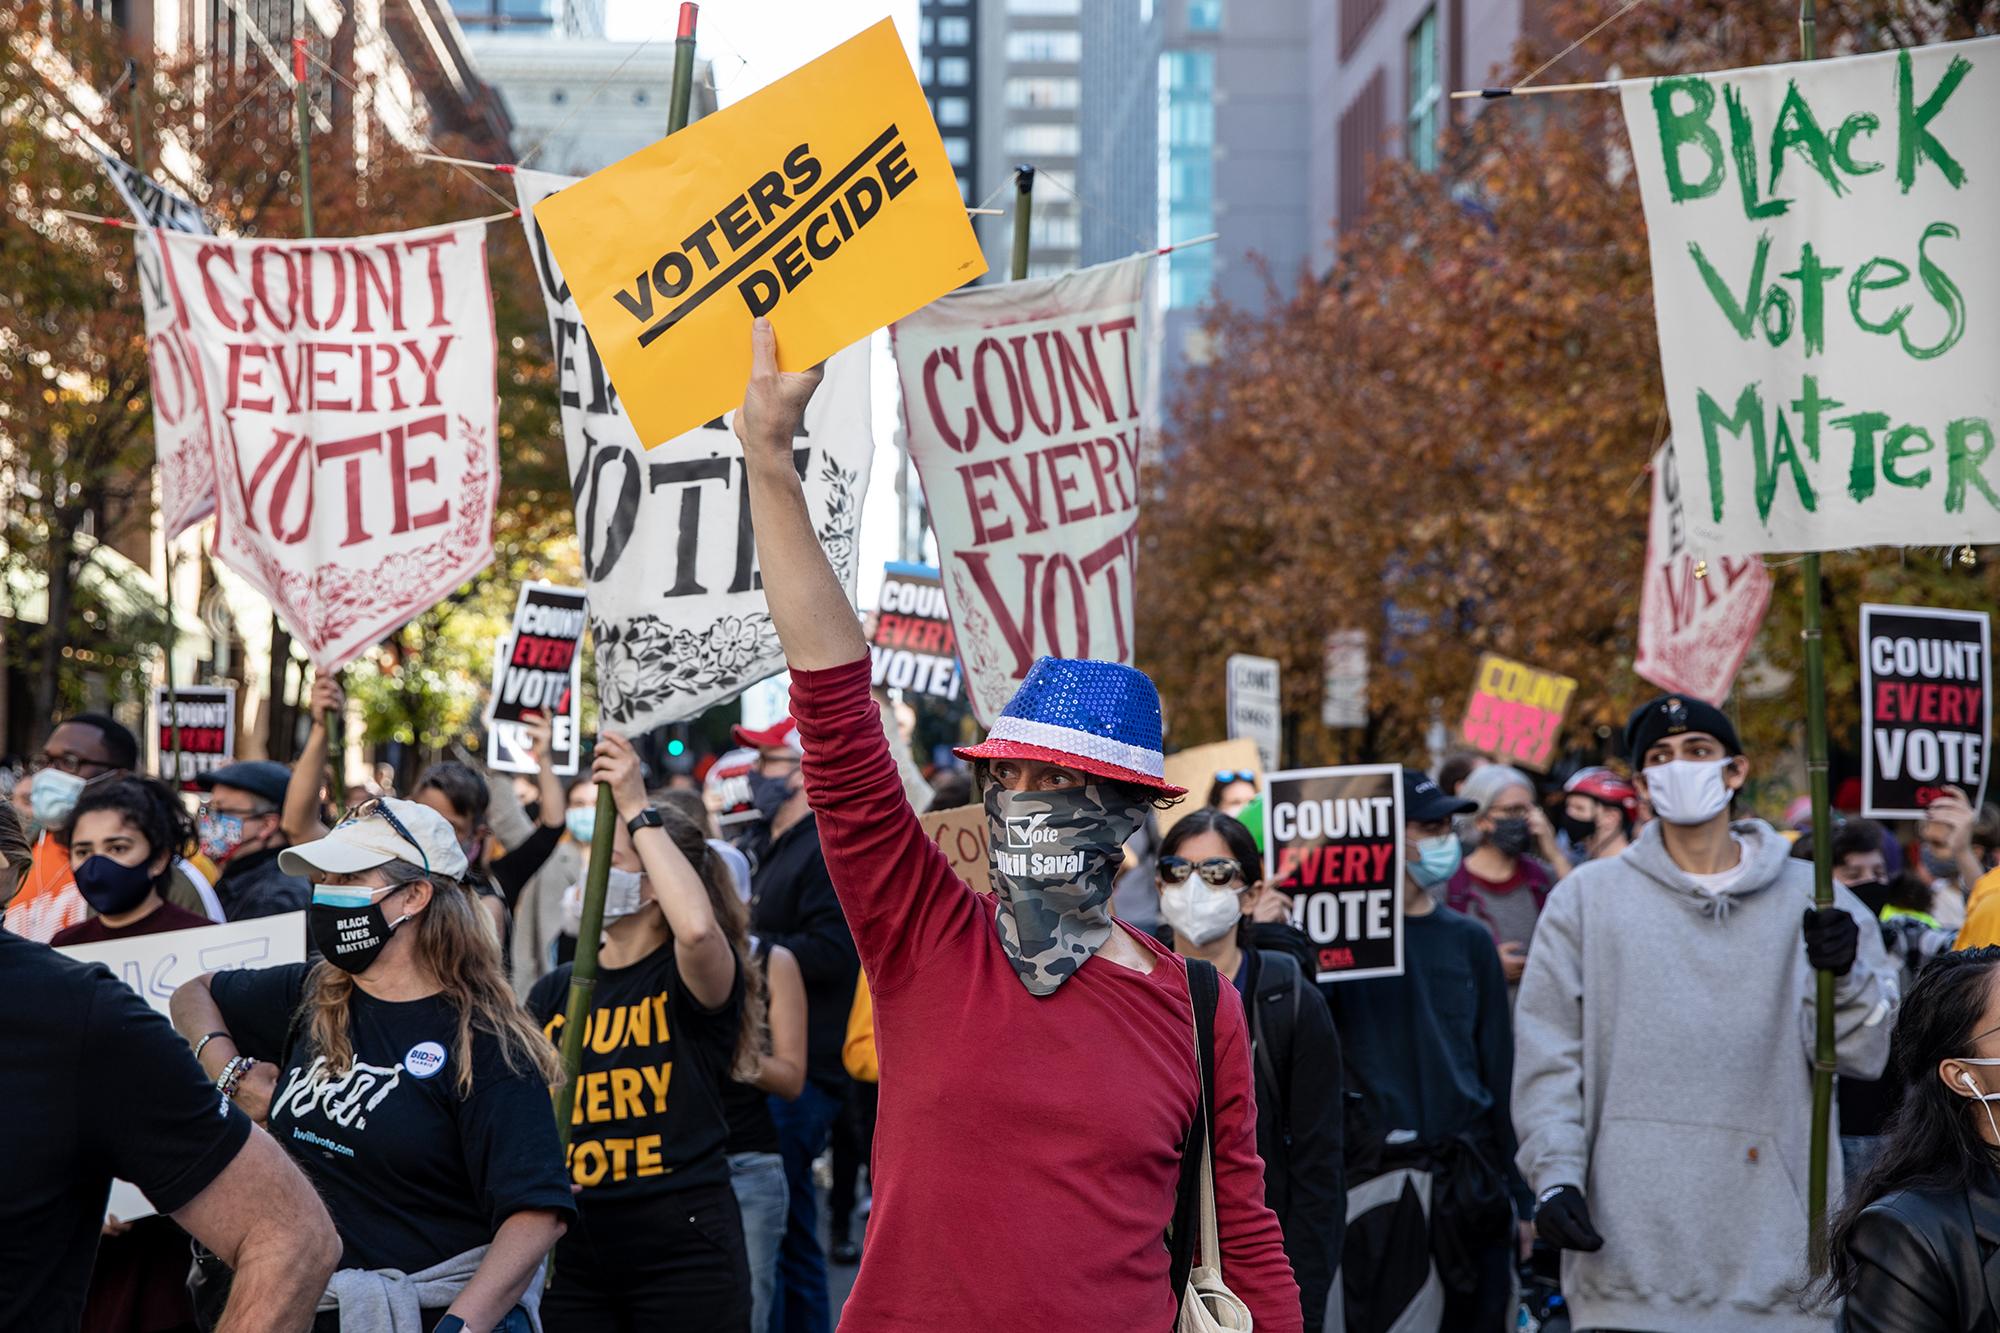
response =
{"points": [[155, 965], [351, 400], [1825, 287], [1253, 704], [1697, 619], [962, 834], [825, 201], [1026, 408], [538, 669], [678, 619], [1343, 704], [181, 427], [1926, 707], [914, 647], [727, 787], [207, 720], [1197, 767], [1333, 840], [1515, 712]]}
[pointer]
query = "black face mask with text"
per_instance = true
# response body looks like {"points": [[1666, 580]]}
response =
{"points": [[348, 927], [1055, 858]]}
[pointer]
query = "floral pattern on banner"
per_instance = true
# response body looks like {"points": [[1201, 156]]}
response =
{"points": [[644, 660]]}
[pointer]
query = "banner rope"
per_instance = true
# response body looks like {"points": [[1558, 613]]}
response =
{"points": [[588, 98], [1521, 87], [126, 224], [1057, 181]]}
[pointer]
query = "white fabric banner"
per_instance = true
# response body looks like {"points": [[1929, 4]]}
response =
{"points": [[351, 398], [1695, 629], [1826, 287], [678, 618], [1027, 406], [181, 439]]}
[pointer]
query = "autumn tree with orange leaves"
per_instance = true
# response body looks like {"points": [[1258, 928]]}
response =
{"points": [[1444, 441]]}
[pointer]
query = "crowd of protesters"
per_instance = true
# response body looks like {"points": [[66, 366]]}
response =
{"points": [[1585, 1101]]}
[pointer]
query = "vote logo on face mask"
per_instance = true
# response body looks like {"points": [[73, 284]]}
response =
{"points": [[1027, 833]]}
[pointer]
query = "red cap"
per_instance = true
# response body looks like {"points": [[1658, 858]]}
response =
{"points": [[1605, 786], [688, 8], [780, 735]]}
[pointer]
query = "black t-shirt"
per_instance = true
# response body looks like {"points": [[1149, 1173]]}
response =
{"points": [[412, 1172], [648, 1120], [95, 1085], [748, 1107]]}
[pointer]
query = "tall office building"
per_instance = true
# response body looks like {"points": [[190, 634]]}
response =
{"points": [[1027, 91], [948, 56], [579, 102]]}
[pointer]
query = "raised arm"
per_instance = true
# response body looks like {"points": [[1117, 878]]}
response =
{"points": [[701, 950], [301, 820], [815, 624]]}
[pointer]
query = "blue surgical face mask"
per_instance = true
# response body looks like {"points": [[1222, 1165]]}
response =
{"points": [[54, 796], [1437, 860], [581, 823]]}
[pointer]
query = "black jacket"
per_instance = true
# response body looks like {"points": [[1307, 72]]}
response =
{"points": [[1296, 1055], [1927, 1261], [251, 885], [792, 904]]}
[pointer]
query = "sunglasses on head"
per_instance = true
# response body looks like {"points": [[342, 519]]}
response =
{"points": [[1216, 871], [1228, 775], [377, 808]]}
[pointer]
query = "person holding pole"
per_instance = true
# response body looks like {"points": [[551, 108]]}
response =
{"points": [[404, 1079], [1043, 1062], [1664, 1038], [660, 1243]]}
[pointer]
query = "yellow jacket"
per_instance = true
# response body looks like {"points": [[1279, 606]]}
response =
{"points": [[1982, 914], [858, 1054]]}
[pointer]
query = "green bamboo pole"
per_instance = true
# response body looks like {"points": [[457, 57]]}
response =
{"points": [[1822, 828], [583, 972], [1024, 212]]}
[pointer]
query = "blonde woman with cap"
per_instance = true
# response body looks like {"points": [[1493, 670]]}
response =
{"points": [[404, 1079]]}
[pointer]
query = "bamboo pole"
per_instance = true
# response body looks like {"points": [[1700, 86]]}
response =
{"points": [[597, 879], [1024, 211], [1822, 831]]}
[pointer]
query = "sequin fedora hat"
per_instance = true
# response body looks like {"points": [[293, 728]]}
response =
{"points": [[1098, 718]]}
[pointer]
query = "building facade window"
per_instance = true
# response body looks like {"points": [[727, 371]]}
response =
{"points": [[1426, 94], [954, 112], [1187, 171], [1043, 46], [1044, 92], [1044, 6], [1204, 16], [1049, 230], [957, 150], [1044, 140], [954, 31], [954, 71]]}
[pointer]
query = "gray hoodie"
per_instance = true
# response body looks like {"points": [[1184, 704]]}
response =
{"points": [[1663, 1046]]}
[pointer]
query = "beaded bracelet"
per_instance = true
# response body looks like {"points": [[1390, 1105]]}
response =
{"points": [[231, 1078]]}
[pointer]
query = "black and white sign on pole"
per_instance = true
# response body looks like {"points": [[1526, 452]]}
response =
{"points": [[1334, 837], [1926, 707], [538, 670], [1254, 705]]}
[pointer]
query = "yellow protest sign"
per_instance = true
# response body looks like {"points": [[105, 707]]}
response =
{"points": [[1515, 712], [824, 201]]}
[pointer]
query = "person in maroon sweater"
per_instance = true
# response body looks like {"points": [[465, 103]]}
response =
{"points": [[1038, 1058]]}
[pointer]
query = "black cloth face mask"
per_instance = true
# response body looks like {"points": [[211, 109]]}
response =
{"points": [[349, 927]]}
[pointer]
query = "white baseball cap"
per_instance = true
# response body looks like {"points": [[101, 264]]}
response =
{"points": [[381, 831]]}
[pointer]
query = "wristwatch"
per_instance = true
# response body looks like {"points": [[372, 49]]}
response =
{"points": [[451, 1323], [647, 818]]}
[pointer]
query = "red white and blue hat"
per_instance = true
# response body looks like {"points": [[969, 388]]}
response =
{"points": [[1098, 718]]}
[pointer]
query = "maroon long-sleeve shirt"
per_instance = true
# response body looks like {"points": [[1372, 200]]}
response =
{"points": [[1027, 1149]]}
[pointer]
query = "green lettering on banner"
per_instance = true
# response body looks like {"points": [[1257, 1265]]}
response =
{"points": [[1679, 129], [1783, 453], [1812, 277], [1749, 416], [1811, 405], [1914, 140], [1743, 146], [1963, 463], [1740, 314], [1861, 122], [1943, 289], [1864, 281], [1797, 129], [1897, 448], [1861, 471]]}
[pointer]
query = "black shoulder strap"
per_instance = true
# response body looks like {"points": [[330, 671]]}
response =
{"points": [[1204, 989]]}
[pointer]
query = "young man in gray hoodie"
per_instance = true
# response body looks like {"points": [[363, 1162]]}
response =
{"points": [[1663, 1047]]}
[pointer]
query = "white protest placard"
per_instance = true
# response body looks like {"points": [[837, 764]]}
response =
{"points": [[1926, 707], [351, 400], [538, 668], [678, 618], [1026, 405], [1698, 619], [194, 727], [156, 965], [1254, 706], [181, 427], [1826, 288], [1343, 704]]}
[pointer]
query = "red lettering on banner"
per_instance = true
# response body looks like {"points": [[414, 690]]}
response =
{"points": [[1065, 484], [1031, 499], [1051, 622], [979, 383], [351, 451], [429, 369], [963, 443], [432, 248], [213, 292], [401, 474], [982, 503], [389, 292], [1019, 342], [1017, 630]]}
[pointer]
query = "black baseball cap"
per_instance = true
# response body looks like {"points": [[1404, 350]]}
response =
{"points": [[1424, 802], [1673, 715], [260, 777]]}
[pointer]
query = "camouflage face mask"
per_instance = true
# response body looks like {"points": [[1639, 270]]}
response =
{"points": [[1056, 855]]}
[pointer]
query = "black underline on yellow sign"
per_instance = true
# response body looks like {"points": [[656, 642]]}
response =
{"points": [[771, 238]]}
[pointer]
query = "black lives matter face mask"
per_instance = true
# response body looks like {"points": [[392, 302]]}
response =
{"points": [[1056, 856]]}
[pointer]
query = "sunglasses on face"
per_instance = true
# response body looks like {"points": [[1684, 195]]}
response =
{"points": [[1217, 870], [1229, 775]]}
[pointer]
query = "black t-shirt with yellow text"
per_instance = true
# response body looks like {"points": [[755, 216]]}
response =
{"points": [[648, 1120]]}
